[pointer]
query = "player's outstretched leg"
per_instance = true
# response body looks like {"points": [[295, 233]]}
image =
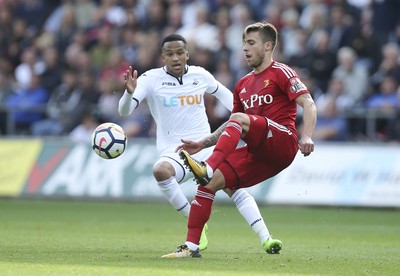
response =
{"points": [[199, 169], [272, 246], [183, 252], [203, 238]]}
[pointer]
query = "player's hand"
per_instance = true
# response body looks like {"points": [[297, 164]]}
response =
{"points": [[306, 146], [130, 80], [190, 146]]}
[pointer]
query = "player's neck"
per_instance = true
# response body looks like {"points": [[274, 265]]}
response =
{"points": [[266, 63]]}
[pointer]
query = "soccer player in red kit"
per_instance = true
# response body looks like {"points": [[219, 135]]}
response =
{"points": [[264, 116]]}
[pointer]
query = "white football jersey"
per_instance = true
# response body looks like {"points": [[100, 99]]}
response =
{"points": [[177, 104]]}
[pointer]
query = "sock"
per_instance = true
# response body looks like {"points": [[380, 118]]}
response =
{"points": [[200, 212], [227, 142], [248, 208], [192, 246], [173, 193]]}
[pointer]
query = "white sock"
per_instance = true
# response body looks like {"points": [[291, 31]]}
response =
{"points": [[173, 193], [247, 206], [210, 171], [192, 246]]}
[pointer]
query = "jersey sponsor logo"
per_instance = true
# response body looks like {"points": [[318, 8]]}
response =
{"points": [[296, 85], [257, 100], [182, 100], [168, 83]]}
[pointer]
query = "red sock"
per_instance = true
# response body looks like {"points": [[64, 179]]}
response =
{"points": [[200, 212], [226, 143]]}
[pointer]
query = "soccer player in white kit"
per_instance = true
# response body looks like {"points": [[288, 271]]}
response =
{"points": [[175, 96]]}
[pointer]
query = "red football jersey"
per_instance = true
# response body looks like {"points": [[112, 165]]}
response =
{"points": [[270, 93]]}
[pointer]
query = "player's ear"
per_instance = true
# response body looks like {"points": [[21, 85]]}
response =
{"points": [[187, 55], [267, 45]]}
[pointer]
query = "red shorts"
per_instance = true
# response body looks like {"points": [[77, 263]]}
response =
{"points": [[269, 149]]}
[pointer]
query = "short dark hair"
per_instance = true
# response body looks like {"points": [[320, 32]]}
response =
{"points": [[173, 37], [267, 31]]}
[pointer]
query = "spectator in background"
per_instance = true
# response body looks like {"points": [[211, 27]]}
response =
{"points": [[83, 131], [6, 27], [27, 105], [67, 29], [389, 66], [386, 102], [322, 60], [174, 18], [363, 41], [202, 29], [128, 44], [7, 87], [60, 107], [353, 75], [53, 68], [290, 20], [155, 19], [393, 127], [313, 15], [30, 65], [101, 51], [336, 90], [84, 13], [331, 125], [33, 12], [300, 59], [386, 98], [339, 28], [385, 17]]}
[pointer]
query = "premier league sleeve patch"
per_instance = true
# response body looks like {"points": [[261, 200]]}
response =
{"points": [[296, 85]]}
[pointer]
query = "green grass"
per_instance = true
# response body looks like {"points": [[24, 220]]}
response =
{"points": [[113, 238]]}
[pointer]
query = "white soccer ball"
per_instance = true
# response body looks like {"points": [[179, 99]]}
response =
{"points": [[109, 140]]}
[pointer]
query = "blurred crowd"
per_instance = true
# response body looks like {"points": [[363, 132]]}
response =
{"points": [[61, 62]]}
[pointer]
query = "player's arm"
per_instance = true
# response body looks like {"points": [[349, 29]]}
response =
{"points": [[224, 95], [306, 144], [195, 146], [126, 104]]}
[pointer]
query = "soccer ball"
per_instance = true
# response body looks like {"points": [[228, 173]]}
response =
{"points": [[109, 140]]}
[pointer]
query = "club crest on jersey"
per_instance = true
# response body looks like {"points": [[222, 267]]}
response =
{"points": [[297, 85], [195, 82]]}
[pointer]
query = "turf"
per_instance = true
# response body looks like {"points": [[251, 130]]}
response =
{"points": [[114, 238]]}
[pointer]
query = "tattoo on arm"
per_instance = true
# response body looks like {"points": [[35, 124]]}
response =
{"points": [[213, 138]]}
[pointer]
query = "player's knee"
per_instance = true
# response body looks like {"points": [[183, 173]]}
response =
{"points": [[242, 118], [238, 117], [163, 171]]}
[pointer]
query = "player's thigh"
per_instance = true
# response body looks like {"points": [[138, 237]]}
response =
{"points": [[241, 170], [257, 133], [244, 169]]}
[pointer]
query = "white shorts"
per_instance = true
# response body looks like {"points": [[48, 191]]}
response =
{"points": [[183, 174]]}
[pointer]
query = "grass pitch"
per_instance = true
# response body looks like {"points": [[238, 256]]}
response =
{"points": [[113, 238]]}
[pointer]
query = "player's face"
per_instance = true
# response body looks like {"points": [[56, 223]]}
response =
{"points": [[254, 49], [175, 57]]}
